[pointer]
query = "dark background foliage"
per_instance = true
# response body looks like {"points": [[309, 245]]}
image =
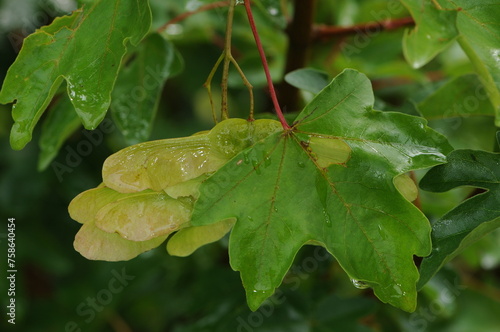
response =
{"points": [[59, 290]]}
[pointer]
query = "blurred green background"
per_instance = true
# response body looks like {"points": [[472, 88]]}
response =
{"points": [[59, 290]]}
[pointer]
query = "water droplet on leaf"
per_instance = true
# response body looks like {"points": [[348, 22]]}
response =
{"points": [[273, 11], [301, 164], [359, 284], [397, 288], [255, 164], [246, 158], [327, 218]]}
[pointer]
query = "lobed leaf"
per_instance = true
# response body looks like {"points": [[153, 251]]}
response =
{"points": [[435, 31], [473, 24], [85, 49], [285, 192], [472, 219]]}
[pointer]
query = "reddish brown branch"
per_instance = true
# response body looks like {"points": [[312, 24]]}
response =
{"points": [[185, 15], [321, 32]]}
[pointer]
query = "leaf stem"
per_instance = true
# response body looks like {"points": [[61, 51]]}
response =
{"points": [[208, 85], [247, 84], [484, 76], [227, 60], [272, 91]]}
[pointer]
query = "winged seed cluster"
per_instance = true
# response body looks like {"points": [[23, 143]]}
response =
{"points": [[149, 189]]}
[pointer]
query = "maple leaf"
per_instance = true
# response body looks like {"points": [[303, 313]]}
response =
{"points": [[331, 180], [85, 49]]}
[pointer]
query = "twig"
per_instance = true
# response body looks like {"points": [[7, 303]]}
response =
{"points": [[227, 58], [247, 84], [322, 32], [208, 85]]}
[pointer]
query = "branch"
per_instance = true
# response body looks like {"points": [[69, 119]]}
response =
{"points": [[322, 32]]}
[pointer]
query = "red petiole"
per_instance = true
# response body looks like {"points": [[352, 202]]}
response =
{"points": [[272, 92]]}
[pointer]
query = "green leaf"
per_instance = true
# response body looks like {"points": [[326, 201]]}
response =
{"points": [[478, 23], [273, 10], [474, 25], [187, 240], [286, 192], [434, 32], [308, 79], [138, 88], [85, 49], [470, 220], [61, 122], [462, 96]]}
